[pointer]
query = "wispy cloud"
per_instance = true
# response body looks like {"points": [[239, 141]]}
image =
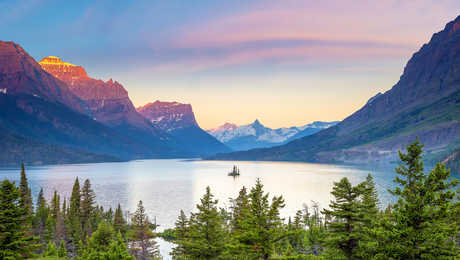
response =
{"points": [[283, 31]]}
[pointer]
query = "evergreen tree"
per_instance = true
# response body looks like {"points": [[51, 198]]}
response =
{"points": [[26, 195], [206, 233], [87, 208], [64, 209], [118, 250], [49, 230], [240, 209], [347, 225], [181, 233], [15, 239], [422, 217], [262, 226], [41, 215], [119, 222], [108, 216], [369, 243], [370, 201], [73, 216], [105, 245], [55, 206], [142, 236]]}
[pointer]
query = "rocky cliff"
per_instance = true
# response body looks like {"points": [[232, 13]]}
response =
{"points": [[21, 74], [108, 101], [42, 121], [178, 120], [169, 116]]}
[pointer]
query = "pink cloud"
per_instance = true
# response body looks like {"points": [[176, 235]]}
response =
{"points": [[323, 31]]}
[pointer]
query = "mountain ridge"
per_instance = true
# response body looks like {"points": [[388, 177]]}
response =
{"points": [[423, 104], [256, 135]]}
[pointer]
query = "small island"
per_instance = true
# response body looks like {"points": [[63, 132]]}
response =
{"points": [[235, 172]]}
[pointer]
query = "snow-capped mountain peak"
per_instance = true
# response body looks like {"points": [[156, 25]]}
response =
{"points": [[256, 135]]}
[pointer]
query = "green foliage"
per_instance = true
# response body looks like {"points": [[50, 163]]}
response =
{"points": [[423, 224], [105, 244], [51, 250], [168, 234], [261, 226], [345, 225], [421, 220], [87, 209], [62, 251], [73, 216], [119, 222], [181, 236], [143, 245], [204, 238], [15, 239], [26, 197]]}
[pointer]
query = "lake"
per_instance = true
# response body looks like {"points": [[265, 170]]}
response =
{"points": [[167, 186]]}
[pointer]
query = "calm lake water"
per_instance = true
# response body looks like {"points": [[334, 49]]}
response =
{"points": [[167, 186]]}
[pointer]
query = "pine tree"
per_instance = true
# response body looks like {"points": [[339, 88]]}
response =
{"points": [[108, 216], [181, 232], [262, 226], [15, 239], [98, 244], [87, 208], [422, 217], [206, 234], [49, 230], [347, 225], [368, 246], [41, 215], [73, 216], [119, 222], [142, 235], [370, 201], [26, 197], [239, 209], [118, 250], [55, 206]]}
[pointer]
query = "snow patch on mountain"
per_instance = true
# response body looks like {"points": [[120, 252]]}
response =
{"points": [[256, 135]]}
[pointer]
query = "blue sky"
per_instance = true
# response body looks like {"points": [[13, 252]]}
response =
{"points": [[284, 62]]}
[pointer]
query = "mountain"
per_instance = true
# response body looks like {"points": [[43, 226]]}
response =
{"points": [[424, 104], [108, 101], [178, 120], [42, 121], [21, 74], [256, 135]]}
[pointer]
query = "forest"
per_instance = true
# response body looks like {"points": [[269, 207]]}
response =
{"points": [[423, 223]]}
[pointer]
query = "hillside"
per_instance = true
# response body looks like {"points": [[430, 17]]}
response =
{"points": [[424, 104]]}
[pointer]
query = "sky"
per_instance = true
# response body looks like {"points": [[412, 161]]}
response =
{"points": [[284, 62]]}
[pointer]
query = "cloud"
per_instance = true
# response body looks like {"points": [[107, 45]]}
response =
{"points": [[302, 31]]}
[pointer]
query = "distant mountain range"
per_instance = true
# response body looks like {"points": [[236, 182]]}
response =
{"points": [[256, 135], [424, 104], [52, 112]]}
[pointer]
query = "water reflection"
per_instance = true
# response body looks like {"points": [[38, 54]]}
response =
{"points": [[167, 186]]}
